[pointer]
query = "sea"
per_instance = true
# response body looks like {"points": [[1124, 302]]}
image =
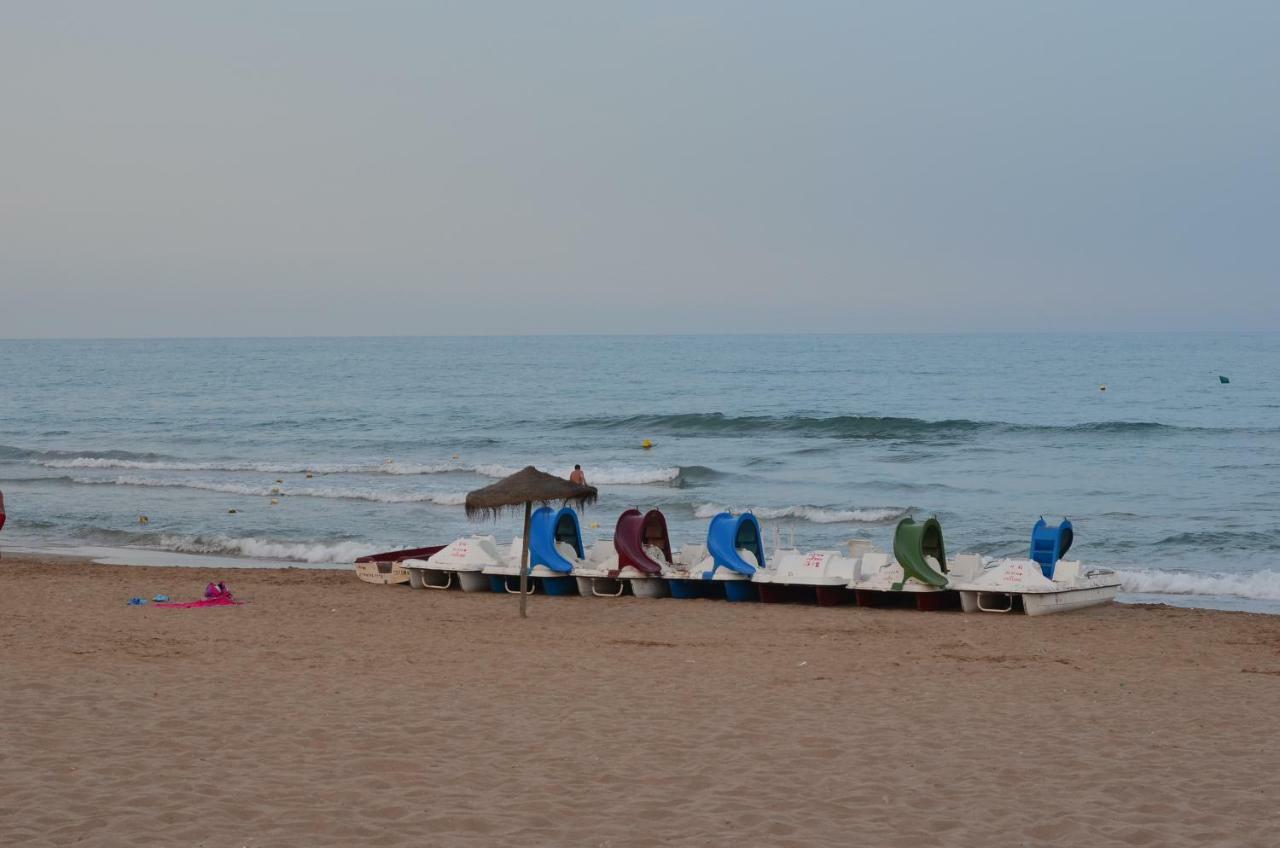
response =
{"points": [[318, 450]]}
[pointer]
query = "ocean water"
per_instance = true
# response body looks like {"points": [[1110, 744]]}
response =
{"points": [[1170, 476]]}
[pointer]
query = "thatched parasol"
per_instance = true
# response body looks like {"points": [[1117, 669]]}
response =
{"points": [[525, 488]]}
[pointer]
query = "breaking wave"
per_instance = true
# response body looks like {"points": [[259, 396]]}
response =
{"points": [[697, 475], [389, 467], [10, 452], [1262, 585], [621, 475], [852, 426], [816, 514], [839, 426], [606, 476], [316, 553], [336, 492]]}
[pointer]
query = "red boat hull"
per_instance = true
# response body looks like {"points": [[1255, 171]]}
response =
{"points": [[400, 556]]}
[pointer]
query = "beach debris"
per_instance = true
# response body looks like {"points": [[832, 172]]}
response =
{"points": [[160, 599], [137, 602], [1223, 380], [646, 444], [142, 519]]}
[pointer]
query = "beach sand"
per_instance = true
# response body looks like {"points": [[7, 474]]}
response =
{"points": [[332, 712]]}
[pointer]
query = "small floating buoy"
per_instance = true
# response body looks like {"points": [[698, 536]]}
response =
{"points": [[274, 501], [142, 519], [309, 475], [646, 444], [1222, 379], [1102, 388], [231, 512], [455, 456]]}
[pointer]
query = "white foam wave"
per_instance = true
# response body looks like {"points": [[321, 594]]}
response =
{"points": [[617, 475], [606, 476], [494, 470], [389, 467], [1263, 585], [815, 514], [449, 498], [335, 492], [310, 552], [623, 476]]}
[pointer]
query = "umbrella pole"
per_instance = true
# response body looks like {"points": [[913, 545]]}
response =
{"points": [[524, 561]]}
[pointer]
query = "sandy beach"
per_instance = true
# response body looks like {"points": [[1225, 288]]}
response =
{"points": [[326, 711]]}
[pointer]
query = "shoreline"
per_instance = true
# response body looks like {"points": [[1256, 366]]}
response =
{"points": [[327, 711], [157, 558], [211, 567]]}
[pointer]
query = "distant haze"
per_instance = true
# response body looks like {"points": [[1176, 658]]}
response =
{"points": [[363, 168]]}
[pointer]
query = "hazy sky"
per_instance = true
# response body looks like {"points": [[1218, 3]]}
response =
{"points": [[276, 168]]}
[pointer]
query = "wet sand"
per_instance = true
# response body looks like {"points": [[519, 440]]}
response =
{"points": [[331, 712]]}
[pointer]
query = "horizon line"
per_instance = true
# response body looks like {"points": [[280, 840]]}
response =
{"points": [[832, 334]]}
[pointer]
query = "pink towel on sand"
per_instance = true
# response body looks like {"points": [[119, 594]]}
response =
{"points": [[223, 601], [215, 595]]}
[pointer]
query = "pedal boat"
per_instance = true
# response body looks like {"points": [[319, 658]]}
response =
{"points": [[555, 549], [631, 562], [723, 567], [820, 577], [458, 565], [388, 568], [1042, 583], [914, 576]]}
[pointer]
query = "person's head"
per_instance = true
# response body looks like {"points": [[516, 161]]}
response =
{"points": [[577, 468]]}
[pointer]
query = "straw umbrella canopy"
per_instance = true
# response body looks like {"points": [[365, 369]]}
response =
{"points": [[525, 488]]}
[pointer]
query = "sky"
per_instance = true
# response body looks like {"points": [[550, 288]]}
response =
{"points": [[370, 168]]}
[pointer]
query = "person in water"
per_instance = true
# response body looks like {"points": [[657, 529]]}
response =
{"points": [[576, 476]]}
